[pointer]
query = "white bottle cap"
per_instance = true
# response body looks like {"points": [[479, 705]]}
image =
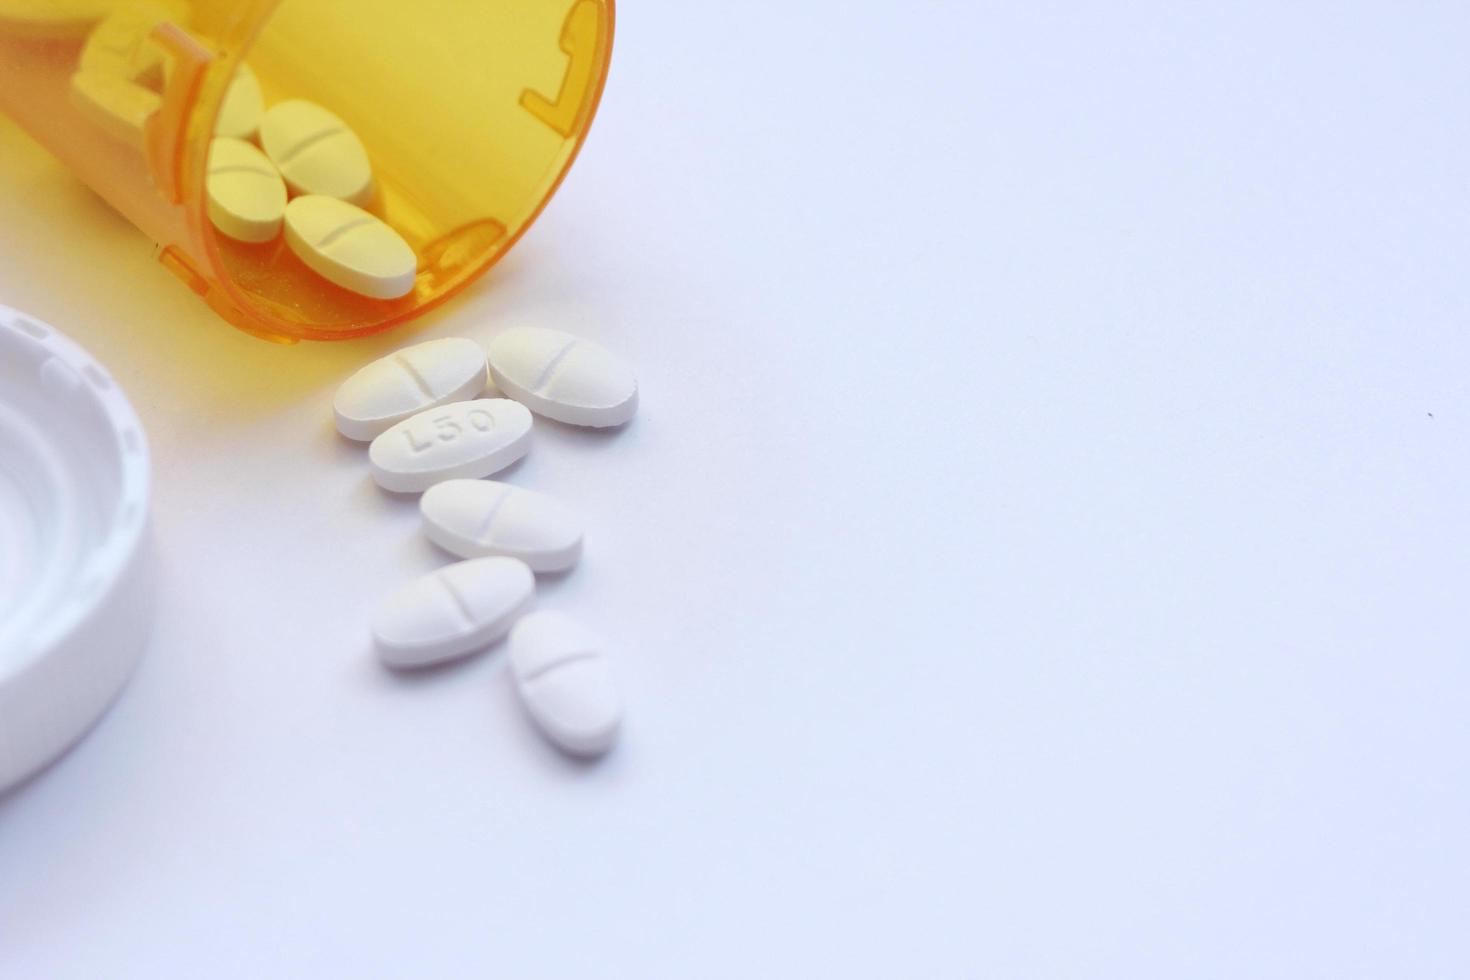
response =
{"points": [[76, 587]]}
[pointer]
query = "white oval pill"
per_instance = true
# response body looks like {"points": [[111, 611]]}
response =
{"points": [[562, 676], [390, 389], [563, 377], [463, 439], [451, 612], [246, 197], [316, 152], [240, 112], [470, 518], [350, 247]]}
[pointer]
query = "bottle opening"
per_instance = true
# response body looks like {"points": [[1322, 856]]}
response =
{"points": [[470, 114]]}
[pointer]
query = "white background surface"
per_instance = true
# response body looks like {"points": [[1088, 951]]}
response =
{"points": [[1042, 551]]}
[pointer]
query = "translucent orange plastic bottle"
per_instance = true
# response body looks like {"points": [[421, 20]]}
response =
{"points": [[471, 112]]}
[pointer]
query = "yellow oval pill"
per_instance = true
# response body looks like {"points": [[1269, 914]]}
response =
{"points": [[346, 245], [316, 152], [247, 198], [239, 114]]}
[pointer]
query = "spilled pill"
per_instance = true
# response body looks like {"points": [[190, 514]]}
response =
{"points": [[470, 518], [562, 677], [316, 152], [240, 112], [462, 439], [563, 377], [390, 389], [451, 612], [346, 245], [246, 197]]}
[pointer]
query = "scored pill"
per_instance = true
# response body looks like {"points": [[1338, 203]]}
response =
{"points": [[246, 197], [240, 112], [346, 245], [562, 676], [452, 612], [316, 152], [563, 377], [390, 389], [470, 518], [462, 439]]}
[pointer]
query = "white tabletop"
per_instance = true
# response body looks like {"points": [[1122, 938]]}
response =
{"points": [[1042, 550]]}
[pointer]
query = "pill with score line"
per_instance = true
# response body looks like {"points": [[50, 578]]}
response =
{"points": [[246, 197], [240, 112], [462, 439], [348, 246], [390, 389], [316, 152], [561, 674], [470, 518], [563, 377], [452, 612]]}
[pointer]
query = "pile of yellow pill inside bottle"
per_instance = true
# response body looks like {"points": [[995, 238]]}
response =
{"points": [[415, 142]]}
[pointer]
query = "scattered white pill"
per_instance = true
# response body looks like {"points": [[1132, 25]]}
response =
{"points": [[390, 389], [316, 152], [470, 518], [240, 112], [246, 197], [462, 439], [563, 679], [456, 610], [346, 245], [563, 377]]}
